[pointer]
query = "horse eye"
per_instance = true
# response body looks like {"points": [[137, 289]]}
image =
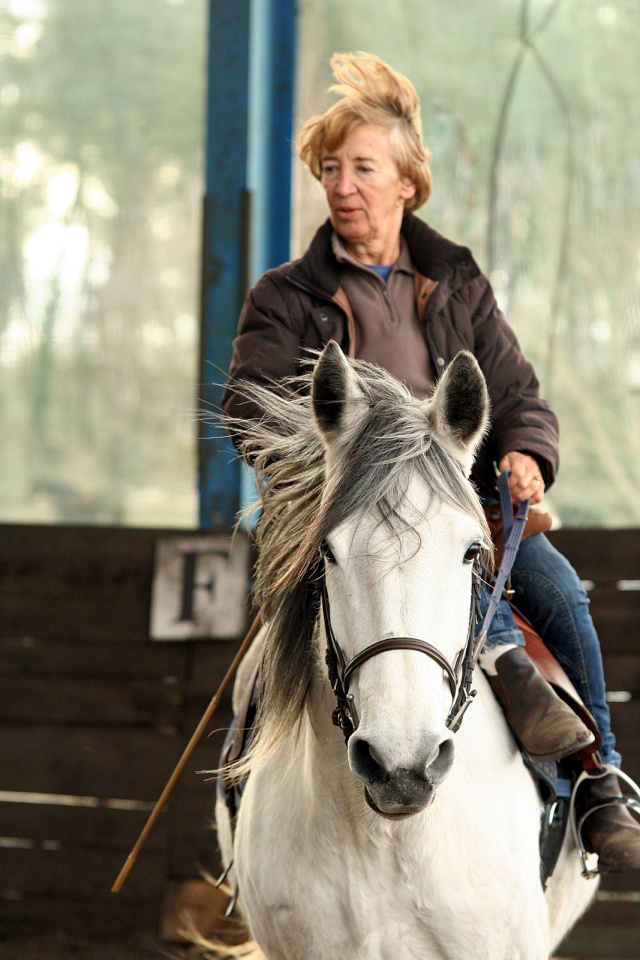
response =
{"points": [[325, 551], [472, 552]]}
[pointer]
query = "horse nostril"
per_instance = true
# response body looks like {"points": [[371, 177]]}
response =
{"points": [[367, 766], [364, 763], [443, 761]]}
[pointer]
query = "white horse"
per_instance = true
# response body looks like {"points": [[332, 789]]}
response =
{"points": [[412, 841]]}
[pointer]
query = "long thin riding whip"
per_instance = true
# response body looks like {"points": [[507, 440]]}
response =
{"points": [[184, 759]]}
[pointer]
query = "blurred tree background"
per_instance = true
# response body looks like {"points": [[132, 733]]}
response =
{"points": [[531, 111], [101, 144]]}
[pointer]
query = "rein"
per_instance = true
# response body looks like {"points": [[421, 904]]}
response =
{"points": [[460, 675], [513, 528]]}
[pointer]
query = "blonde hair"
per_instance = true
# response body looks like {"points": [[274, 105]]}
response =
{"points": [[371, 93]]}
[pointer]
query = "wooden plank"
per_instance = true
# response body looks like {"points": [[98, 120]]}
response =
{"points": [[25, 656], [607, 910], [622, 672], [75, 582], [210, 661], [136, 703], [79, 874], [194, 707], [104, 614], [625, 720], [602, 942], [20, 540], [616, 616], [604, 930], [197, 784], [191, 814], [97, 617], [194, 843], [605, 927], [95, 827], [621, 883], [58, 928], [614, 554], [128, 764]]}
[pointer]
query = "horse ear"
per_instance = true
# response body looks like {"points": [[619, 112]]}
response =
{"points": [[459, 409], [335, 389]]}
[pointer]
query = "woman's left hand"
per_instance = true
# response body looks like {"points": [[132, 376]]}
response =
{"points": [[525, 481]]}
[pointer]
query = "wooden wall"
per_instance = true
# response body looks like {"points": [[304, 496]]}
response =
{"points": [[610, 559], [94, 716]]}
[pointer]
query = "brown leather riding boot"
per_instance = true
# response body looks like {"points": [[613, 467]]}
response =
{"points": [[612, 832], [545, 727]]}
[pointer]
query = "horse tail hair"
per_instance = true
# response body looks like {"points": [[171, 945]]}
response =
{"points": [[214, 950], [213, 947], [218, 950]]}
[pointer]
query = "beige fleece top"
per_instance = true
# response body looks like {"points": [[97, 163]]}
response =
{"points": [[388, 330]]}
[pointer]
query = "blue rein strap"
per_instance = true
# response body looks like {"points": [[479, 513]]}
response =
{"points": [[506, 504], [513, 529]]}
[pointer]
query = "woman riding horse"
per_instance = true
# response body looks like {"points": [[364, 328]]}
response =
{"points": [[391, 290]]}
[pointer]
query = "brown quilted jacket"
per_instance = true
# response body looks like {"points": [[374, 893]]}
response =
{"points": [[300, 305]]}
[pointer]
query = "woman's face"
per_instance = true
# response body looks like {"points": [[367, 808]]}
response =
{"points": [[366, 194]]}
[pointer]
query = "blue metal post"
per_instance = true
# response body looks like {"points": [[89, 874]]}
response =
{"points": [[271, 86], [247, 207]]}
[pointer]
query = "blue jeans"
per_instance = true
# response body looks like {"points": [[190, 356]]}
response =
{"points": [[549, 594]]}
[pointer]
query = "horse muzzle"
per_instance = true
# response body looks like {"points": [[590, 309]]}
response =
{"points": [[400, 792], [399, 800]]}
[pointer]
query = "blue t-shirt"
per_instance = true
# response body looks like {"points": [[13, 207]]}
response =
{"points": [[381, 271]]}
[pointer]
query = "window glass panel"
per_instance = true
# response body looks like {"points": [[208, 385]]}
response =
{"points": [[101, 140], [532, 114]]}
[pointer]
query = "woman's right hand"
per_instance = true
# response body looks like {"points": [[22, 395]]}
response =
{"points": [[525, 481]]}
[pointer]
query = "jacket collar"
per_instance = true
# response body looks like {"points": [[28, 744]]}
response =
{"points": [[318, 268], [432, 255]]}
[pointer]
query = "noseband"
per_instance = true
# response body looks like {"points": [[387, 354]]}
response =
{"points": [[340, 671]]}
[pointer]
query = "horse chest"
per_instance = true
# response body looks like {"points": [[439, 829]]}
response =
{"points": [[324, 884]]}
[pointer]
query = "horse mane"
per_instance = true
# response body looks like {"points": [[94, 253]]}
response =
{"points": [[300, 505]]}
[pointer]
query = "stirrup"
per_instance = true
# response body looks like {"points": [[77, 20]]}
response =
{"points": [[589, 868]]}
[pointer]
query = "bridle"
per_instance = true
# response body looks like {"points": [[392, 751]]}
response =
{"points": [[459, 676]]}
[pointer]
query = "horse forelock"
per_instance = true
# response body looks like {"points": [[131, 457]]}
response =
{"points": [[302, 501]]}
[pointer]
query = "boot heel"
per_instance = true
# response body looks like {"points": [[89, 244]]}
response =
{"points": [[602, 822]]}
